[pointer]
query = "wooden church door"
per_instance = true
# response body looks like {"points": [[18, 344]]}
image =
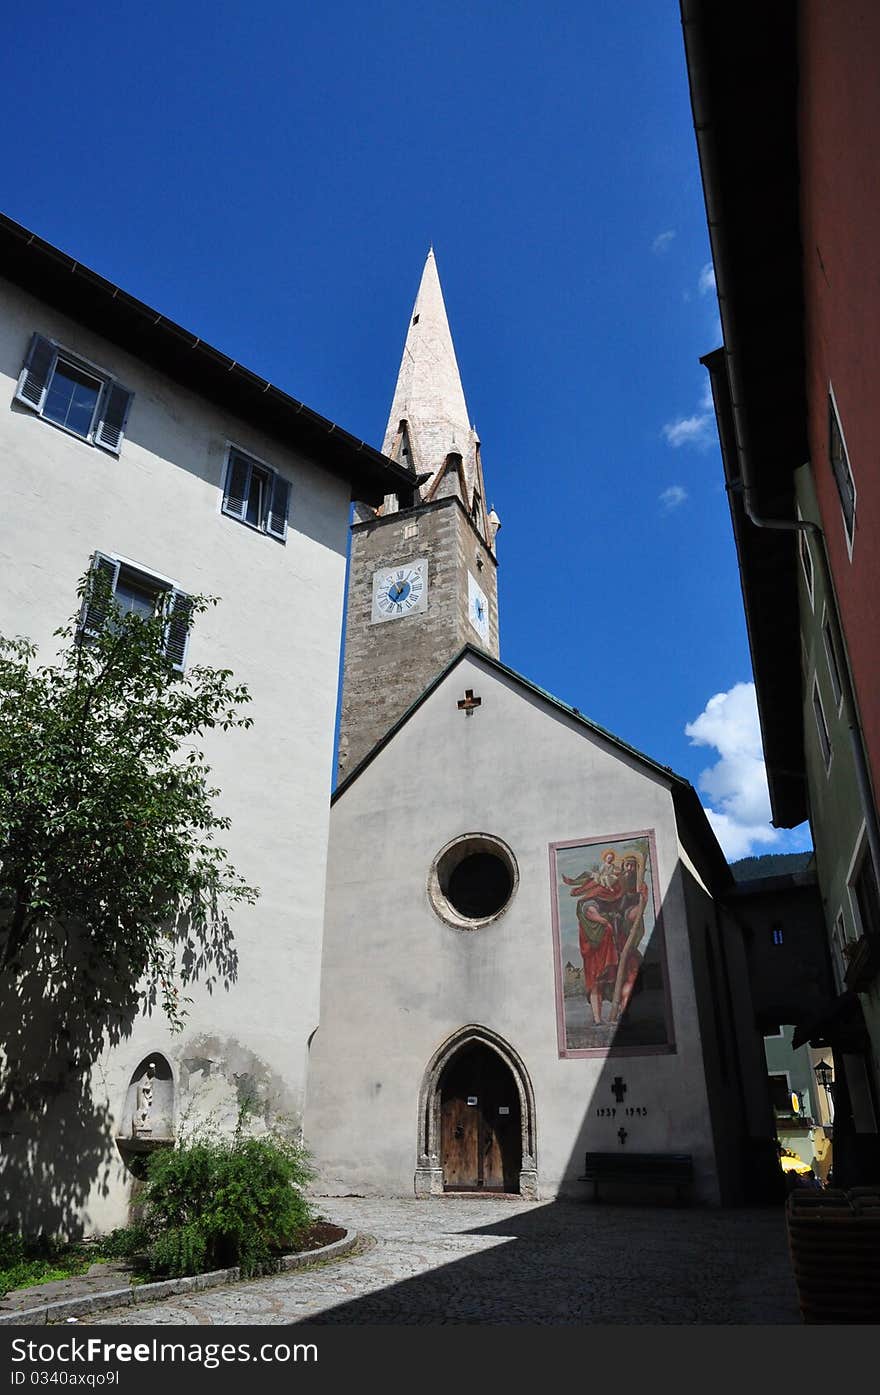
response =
{"points": [[480, 1123]]}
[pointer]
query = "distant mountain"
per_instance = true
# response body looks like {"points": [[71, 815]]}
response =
{"points": [[748, 869]]}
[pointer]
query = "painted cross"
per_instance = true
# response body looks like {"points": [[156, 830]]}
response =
{"points": [[469, 702], [621, 1134], [618, 1085]]}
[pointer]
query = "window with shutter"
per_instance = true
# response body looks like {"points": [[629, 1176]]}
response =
{"points": [[177, 631], [256, 494], [135, 591], [73, 394], [99, 593]]}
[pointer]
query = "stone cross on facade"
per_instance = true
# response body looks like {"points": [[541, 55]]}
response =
{"points": [[621, 1134], [618, 1084], [469, 702]]}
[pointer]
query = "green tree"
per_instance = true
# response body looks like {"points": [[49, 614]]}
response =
{"points": [[113, 887]]}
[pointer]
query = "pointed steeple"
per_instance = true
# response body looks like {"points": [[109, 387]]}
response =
{"points": [[428, 425]]}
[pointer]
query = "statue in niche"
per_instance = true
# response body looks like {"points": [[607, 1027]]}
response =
{"points": [[141, 1122]]}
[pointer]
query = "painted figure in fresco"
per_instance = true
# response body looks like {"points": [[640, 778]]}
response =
{"points": [[611, 902], [630, 929], [608, 872]]}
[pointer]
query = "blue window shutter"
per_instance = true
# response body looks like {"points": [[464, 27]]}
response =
{"points": [[236, 492], [276, 518], [177, 631], [113, 414], [36, 373], [95, 604]]}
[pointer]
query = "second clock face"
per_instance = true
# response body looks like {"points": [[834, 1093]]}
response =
{"points": [[478, 609], [399, 591]]}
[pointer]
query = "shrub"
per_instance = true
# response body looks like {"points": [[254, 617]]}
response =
{"points": [[129, 1242], [211, 1203]]}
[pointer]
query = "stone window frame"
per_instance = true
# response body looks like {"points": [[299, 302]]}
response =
{"points": [[469, 843]]}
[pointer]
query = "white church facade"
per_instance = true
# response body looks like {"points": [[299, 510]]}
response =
{"points": [[525, 958]]}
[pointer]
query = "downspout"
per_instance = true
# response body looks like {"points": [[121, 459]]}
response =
{"points": [[703, 127]]}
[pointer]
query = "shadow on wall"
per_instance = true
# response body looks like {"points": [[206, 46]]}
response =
{"points": [[57, 1135], [58, 1128], [613, 1000]]}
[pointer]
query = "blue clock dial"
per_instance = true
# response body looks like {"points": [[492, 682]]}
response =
{"points": [[399, 591]]}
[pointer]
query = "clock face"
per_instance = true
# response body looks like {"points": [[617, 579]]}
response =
{"points": [[399, 591], [478, 609]]}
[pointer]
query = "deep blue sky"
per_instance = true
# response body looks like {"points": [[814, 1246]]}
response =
{"points": [[271, 175]]}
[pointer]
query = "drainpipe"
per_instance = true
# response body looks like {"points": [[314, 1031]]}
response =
{"points": [[703, 126]]}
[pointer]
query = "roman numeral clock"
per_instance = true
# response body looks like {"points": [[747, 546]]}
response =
{"points": [[401, 590]]}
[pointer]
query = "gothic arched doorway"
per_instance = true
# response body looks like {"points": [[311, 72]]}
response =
{"points": [[476, 1119], [480, 1132]]}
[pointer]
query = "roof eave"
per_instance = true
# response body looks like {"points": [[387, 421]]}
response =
{"points": [[58, 279], [742, 69]]}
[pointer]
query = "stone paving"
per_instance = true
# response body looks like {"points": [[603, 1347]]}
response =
{"points": [[492, 1261]]}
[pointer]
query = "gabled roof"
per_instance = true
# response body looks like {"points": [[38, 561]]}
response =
{"points": [[685, 798], [60, 281]]}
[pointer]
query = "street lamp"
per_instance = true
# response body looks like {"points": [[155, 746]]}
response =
{"points": [[824, 1075]]}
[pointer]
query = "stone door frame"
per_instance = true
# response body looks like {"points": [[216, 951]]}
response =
{"points": [[429, 1171]]}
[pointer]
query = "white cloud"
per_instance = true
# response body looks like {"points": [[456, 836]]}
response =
{"points": [[696, 430], [673, 497], [706, 281], [740, 840], [662, 241], [689, 431], [736, 785]]}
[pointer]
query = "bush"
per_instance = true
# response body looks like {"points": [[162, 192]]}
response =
{"points": [[129, 1242], [212, 1203]]}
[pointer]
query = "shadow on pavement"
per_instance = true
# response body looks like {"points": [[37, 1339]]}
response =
{"points": [[570, 1262]]}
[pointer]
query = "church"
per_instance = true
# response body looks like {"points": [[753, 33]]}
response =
{"points": [[525, 957], [503, 943]]}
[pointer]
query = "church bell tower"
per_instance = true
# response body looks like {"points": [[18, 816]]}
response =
{"points": [[422, 578]]}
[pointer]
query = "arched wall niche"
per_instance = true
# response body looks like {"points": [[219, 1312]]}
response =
{"points": [[148, 1113]]}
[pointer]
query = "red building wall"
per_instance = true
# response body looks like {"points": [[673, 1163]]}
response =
{"points": [[839, 123]]}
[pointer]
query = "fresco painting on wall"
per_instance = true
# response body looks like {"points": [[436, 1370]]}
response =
{"points": [[611, 983]]}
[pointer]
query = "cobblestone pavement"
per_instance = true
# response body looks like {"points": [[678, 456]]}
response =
{"points": [[485, 1260]]}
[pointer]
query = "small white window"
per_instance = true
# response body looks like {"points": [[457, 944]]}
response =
{"points": [[842, 470], [821, 726], [838, 957], [256, 494], [138, 592], [831, 656], [806, 560], [73, 394], [863, 891]]}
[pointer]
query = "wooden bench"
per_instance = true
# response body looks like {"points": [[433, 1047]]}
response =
{"points": [[670, 1169]]}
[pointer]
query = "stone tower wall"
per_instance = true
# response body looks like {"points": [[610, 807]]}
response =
{"points": [[388, 665]]}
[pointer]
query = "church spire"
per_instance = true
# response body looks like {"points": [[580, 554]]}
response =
{"points": [[428, 425]]}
